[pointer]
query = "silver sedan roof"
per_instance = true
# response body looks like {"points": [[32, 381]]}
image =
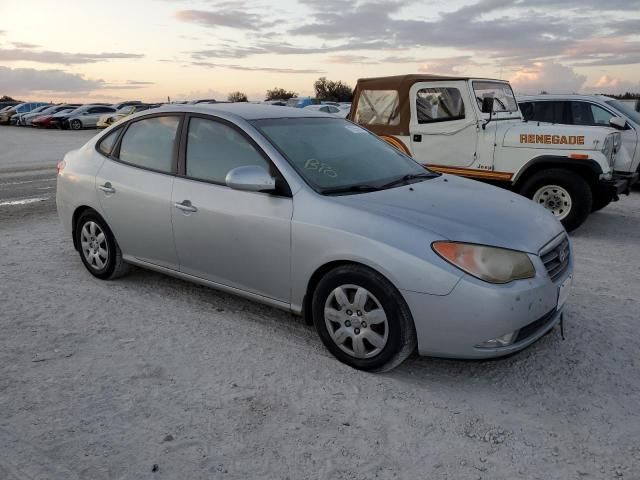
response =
{"points": [[246, 111]]}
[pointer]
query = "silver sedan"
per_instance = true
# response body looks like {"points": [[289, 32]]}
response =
{"points": [[317, 216]]}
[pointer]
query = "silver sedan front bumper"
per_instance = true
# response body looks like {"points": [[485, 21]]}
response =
{"points": [[454, 325]]}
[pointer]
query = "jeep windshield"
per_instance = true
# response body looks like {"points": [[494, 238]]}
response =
{"points": [[626, 109], [335, 156], [504, 99]]}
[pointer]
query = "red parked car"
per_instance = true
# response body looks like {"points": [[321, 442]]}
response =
{"points": [[51, 120]]}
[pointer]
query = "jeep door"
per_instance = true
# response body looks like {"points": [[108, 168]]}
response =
{"points": [[443, 126]]}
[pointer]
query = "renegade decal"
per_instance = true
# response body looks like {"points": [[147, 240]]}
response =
{"points": [[552, 139]]}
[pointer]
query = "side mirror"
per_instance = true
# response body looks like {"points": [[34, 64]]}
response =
{"points": [[250, 178], [618, 122], [487, 105]]}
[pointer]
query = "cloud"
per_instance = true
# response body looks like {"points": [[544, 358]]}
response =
{"points": [[350, 59], [63, 58], [547, 76], [513, 32], [24, 45], [612, 85], [228, 50], [449, 66], [29, 80], [139, 83], [254, 69], [230, 15]]}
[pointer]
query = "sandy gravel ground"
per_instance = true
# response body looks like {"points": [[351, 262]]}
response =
{"points": [[149, 377]]}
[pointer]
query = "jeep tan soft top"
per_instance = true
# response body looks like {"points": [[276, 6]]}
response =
{"points": [[402, 84]]}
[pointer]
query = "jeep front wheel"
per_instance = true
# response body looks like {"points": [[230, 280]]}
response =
{"points": [[564, 193]]}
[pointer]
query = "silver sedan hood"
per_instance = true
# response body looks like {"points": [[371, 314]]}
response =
{"points": [[464, 210]]}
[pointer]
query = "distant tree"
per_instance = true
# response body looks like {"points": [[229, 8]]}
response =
{"points": [[6, 98], [544, 92], [332, 91], [237, 97], [280, 94]]}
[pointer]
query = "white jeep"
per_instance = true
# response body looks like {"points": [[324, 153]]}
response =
{"points": [[473, 127]]}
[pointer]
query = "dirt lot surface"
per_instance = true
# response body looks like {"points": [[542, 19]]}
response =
{"points": [[149, 377]]}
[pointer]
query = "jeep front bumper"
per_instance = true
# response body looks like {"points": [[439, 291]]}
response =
{"points": [[620, 183]]}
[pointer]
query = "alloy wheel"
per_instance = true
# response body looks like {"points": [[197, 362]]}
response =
{"points": [[356, 321], [94, 245]]}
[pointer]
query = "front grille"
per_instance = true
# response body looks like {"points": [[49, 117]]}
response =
{"points": [[556, 259], [531, 329]]}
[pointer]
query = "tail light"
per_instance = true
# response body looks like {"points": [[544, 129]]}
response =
{"points": [[60, 166]]}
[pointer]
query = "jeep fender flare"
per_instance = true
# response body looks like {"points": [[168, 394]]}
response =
{"points": [[589, 167]]}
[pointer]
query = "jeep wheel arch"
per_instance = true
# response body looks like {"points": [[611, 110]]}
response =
{"points": [[589, 169]]}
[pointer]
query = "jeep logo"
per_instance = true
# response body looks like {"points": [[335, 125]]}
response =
{"points": [[552, 139]]}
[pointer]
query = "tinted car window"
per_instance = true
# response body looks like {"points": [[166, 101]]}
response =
{"points": [[527, 110], [600, 115], [581, 113], [149, 143], [213, 149], [439, 105], [549, 112], [107, 143]]}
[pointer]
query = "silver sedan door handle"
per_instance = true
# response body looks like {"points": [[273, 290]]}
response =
{"points": [[107, 188], [185, 206]]}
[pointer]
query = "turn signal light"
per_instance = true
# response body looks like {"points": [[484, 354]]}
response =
{"points": [[579, 156]]}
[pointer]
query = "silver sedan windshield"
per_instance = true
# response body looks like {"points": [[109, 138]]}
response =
{"points": [[333, 154]]}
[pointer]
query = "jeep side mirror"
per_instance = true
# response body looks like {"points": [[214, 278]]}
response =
{"points": [[618, 122], [487, 105]]}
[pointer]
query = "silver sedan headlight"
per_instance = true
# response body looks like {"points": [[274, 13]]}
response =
{"points": [[491, 264]]}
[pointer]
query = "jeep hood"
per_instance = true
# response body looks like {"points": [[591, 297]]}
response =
{"points": [[464, 210]]}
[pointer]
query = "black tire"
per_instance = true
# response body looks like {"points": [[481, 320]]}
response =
{"points": [[601, 198], [401, 336], [114, 266], [75, 124], [577, 187]]}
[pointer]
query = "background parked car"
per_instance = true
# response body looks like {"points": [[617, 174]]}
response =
{"points": [[110, 118], [330, 109], [301, 102], [86, 116], [29, 118], [588, 110], [120, 105], [18, 118], [3, 105], [6, 115], [52, 120]]}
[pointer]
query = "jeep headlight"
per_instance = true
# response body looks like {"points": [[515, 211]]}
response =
{"points": [[491, 264]]}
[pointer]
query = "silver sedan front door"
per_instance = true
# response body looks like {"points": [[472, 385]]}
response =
{"points": [[235, 238]]}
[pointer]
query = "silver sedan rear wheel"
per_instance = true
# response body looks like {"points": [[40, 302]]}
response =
{"points": [[356, 321], [95, 248]]}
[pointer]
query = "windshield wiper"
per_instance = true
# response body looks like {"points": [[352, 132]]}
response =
{"points": [[351, 189], [409, 177]]}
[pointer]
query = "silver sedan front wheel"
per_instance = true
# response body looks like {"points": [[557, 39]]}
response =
{"points": [[95, 248], [356, 321]]}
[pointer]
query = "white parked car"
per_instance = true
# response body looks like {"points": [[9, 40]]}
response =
{"points": [[589, 111], [330, 109]]}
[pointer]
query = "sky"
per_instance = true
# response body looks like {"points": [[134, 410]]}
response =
{"points": [[109, 50]]}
